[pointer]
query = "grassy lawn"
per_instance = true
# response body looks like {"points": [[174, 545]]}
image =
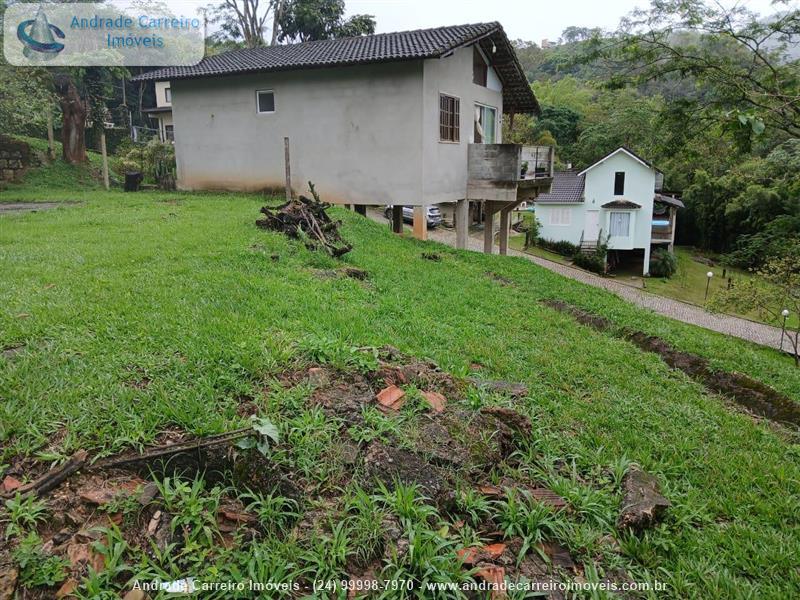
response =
{"points": [[181, 290], [517, 242], [689, 282]]}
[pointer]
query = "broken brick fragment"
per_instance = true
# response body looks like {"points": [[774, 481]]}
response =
{"points": [[436, 400], [495, 577], [475, 554], [11, 483], [67, 588], [391, 397]]}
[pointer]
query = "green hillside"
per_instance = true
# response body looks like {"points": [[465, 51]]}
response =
{"points": [[126, 316]]}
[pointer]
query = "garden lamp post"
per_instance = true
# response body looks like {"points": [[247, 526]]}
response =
{"points": [[784, 314], [709, 275]]}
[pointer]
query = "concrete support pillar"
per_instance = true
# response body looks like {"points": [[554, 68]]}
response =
{"points": [[505, 226], [361, 209], [420, 222], [397, 218], [646, 267], [488, 228], [462, 223]]}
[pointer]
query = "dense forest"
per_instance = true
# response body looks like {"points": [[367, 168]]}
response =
{"points": [[711, 96]]}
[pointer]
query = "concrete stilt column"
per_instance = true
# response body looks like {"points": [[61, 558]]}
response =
{"points": [[505, 225], [420, 223], [488, 228], [397, 218], [462, 223], [646, 268]]}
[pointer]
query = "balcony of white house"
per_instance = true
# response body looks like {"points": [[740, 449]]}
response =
{"points": [[665, 210]]}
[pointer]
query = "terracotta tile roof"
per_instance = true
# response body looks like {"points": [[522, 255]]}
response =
{"points": [[567, 188], [383, 47]]}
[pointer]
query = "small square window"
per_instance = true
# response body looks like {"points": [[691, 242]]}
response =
{"points": [[560, 216], [266, 101]]}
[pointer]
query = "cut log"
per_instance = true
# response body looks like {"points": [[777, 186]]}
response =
{"points": [[53, 478], [173, 449], [642, 502]]}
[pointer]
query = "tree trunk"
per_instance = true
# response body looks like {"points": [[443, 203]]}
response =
{"points": [[73, 128], [276, 19]]}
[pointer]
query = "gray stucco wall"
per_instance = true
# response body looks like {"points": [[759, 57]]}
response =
{"points": [[356, 132], [364, 135], [444, 165]]}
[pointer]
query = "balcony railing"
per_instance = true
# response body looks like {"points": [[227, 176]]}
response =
{"points": [[661, 228], [540, 161]]}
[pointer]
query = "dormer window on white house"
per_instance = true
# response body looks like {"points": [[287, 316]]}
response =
{"points": [[619, 183], [168, 95]]}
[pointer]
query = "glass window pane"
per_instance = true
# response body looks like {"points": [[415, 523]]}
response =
{"points": [[619, 224], [266, 102], [490, 125]]}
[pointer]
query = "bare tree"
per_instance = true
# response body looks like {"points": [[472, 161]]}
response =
{"points": [[279, 6], [245, 20]]}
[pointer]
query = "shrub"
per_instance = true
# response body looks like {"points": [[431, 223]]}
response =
{"points": [[561, 247], [155, 159], [663, 264], [531, 226], [594, 262]]}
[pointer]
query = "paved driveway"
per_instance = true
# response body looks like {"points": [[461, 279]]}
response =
{"points": [[762, 334], [20, 207]]}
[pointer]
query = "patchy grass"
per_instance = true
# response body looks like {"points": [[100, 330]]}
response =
{"points": [[517, 242], [140, 313]]}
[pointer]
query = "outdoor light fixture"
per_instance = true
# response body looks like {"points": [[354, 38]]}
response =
{"points": [[709, 275], [784, 314]]}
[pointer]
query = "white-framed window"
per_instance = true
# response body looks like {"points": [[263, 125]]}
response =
{"points": [[265, 102], [485, 124], [560, 216], [619, 224], [168, 95]]}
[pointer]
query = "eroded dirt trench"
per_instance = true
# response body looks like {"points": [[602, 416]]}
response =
{"points": [[753, 395]]}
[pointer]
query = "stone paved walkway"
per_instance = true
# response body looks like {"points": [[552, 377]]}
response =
{"points": [[759, 333]]}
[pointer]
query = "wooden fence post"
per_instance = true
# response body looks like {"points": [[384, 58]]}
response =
{"points": [[288, 170], [106, 182], [51, 146]]}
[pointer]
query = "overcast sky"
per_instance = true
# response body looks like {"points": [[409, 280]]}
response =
{"points": [[531, 20]]}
